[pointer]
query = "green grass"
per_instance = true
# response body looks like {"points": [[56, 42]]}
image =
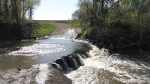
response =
{"points": [[43, 29], [75, 24]]}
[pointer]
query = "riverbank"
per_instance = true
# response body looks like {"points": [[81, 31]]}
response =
{"points": [[61, 28], [43, 29], [121, 26], [46, 28]]}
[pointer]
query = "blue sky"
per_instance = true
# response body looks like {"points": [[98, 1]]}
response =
{"points": [[55, 9]]}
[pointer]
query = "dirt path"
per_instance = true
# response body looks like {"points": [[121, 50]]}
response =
{"points": [[61, 28]]}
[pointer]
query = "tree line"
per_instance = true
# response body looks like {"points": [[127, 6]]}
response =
{"points": [[115, 24], [14, 11], [14, 14]]}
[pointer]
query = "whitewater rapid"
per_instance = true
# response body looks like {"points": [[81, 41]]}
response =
{"points": [[103, 68]]}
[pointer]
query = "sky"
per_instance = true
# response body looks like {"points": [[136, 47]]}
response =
{"points": [[55, 9]]}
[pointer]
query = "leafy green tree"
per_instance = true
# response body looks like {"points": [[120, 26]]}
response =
{"points": [[15, 10], [115, 23]]}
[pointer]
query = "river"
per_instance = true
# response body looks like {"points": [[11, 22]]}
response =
{"points": [[62, 59]]}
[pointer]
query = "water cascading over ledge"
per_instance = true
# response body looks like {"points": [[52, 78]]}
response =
{"points": [[64, 65], [69, 63], [73, 61]]}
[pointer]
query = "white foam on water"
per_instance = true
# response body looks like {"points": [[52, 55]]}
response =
{"points": [[113, 70], [71, 34], [42, 76]]}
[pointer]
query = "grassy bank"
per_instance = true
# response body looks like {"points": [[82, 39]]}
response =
{"points": [[75, 24], [43, 29]]}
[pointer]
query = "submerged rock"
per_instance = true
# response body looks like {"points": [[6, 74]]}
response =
{"points": [[57, 77], [50, 75]]}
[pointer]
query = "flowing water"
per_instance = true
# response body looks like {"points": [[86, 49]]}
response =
{"points": [[62, 59], [103, 68]]}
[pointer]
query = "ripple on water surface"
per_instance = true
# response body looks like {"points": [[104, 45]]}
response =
{"points": [[39, 49]]}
